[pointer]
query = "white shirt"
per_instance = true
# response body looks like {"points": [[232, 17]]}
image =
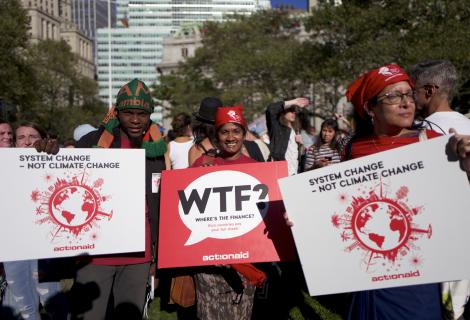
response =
{"points": [[442, 121], [179, 154], [292, 155]]}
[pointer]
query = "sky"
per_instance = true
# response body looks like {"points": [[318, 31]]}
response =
{"points": [[301, 4]]}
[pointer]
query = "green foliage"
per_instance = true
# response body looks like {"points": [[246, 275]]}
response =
{"points": [[64, 93], [248, 60], [41, 80], [17, 78], [258, 59], [357, 36]]}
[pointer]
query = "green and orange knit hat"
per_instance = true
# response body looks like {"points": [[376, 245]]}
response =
{"points": [[133, 95]]}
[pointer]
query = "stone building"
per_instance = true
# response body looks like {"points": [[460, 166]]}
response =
{"points": [[52, 19]]}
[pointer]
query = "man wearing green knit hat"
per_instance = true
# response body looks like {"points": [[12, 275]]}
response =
{"points": [[134, 95], [127, 125], [131, 115]]}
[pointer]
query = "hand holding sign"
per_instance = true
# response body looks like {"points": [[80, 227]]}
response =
{"points": [[460, 146]]}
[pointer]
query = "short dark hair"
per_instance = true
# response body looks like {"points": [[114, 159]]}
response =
{"points": [[180, 124], [441, 73], [33, 125], [202, 130]]}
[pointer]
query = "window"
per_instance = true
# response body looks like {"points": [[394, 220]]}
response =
{"points": [[184, 52]]}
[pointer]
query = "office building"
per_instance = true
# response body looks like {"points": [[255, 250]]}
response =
{"points": [[137, 41], [89, 15], [52, 19]]}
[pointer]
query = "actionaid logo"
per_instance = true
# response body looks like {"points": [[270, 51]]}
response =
{"points": [[226, 256], [233, 115], [389, 72], [395, 276], [385, 71], [222, 205]]}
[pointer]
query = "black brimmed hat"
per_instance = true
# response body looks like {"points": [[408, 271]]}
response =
{"points": [[207, 110]]}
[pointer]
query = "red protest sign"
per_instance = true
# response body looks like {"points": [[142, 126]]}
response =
{"points": [[223, 215]]}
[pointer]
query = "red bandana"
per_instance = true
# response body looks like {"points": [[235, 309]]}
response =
{"points": [[370, 84], [229, 115]]}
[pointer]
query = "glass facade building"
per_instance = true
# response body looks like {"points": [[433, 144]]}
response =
{"points": [[136, 41], [89, 15]]}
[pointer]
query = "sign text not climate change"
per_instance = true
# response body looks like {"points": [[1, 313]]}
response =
{"points": [[60, 161], [365, 173]]}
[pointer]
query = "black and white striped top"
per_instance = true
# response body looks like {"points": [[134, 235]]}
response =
{"points": [[314, 154]]}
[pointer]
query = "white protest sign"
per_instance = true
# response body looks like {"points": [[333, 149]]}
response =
{"points": [[80, 201], [395, 218]]}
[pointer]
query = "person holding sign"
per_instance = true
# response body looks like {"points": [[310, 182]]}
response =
{"points": [[227, 292], [25, 290], [384, 109], [204, 134], [6, 134], [126, 126]]}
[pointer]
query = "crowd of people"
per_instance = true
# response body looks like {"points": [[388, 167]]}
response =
{"points": [[391, 109]]}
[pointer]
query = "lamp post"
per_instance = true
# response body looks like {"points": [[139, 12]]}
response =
{"points": [[110, 82], [110, 73]]}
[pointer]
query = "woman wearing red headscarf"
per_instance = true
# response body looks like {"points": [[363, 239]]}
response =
{"points": [[384, 106], [227, 292]]}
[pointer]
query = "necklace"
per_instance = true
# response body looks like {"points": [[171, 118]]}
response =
{"points": [[377, 147], [403, 134]]}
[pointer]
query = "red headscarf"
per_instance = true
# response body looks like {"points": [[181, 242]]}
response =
{"points": [[370, 84], [229, 115]]}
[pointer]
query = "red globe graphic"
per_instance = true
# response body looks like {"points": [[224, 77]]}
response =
{"points": [[381, 226], [73, 206]]}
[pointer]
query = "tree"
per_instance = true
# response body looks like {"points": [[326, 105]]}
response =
{"points": [[257, 59], [16, 86], [41, 80], [63, 92], [249, 60], [356, 36]]}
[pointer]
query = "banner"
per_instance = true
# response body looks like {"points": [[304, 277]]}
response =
{"points": [[78, 202], [222, 215], [395, 218]]}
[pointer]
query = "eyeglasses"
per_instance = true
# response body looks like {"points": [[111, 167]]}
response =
{"points": [[396, 97]]}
